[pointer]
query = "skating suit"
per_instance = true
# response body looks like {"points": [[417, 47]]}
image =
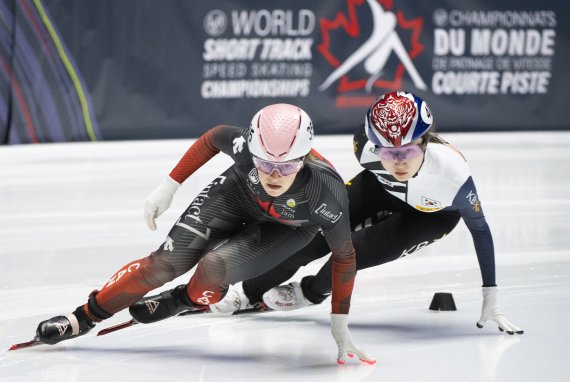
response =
{"points": [[393, 219], [233, 230]]}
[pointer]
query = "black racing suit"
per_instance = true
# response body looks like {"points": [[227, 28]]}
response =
{"points": [[233, 230], [392, 219]]}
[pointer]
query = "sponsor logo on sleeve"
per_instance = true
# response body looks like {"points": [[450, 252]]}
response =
{"points": [[331, 216], [474, 200]]}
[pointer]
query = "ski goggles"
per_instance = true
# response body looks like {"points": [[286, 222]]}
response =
{"points": [[401, 153], [283, 168]]}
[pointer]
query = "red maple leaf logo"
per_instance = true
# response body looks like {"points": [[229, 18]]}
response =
{"points": [[349, 23]]}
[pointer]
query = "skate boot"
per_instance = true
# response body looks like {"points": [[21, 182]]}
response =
{"points": [[61, 328], [167, 304], [286, 297], [233, 301], [236, 302]]}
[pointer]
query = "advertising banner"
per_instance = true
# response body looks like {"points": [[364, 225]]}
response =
{"points": [[143, 69]]}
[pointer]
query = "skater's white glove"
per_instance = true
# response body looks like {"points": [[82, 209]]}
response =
{"points": [[346, 346], [492, 311], [159, 201]]}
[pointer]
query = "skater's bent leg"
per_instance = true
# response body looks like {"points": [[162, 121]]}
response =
{"points": [[131, 283], [396, 236], [250, 253], [208, 285], [127, 286], [256, 287]]}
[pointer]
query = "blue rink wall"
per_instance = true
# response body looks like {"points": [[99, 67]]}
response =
{"points": [[142, 69]]}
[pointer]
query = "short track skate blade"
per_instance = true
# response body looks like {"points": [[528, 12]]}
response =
{"points": [[23, 345], [193, 312], [248, 311], [120, 326], [236, 313]]}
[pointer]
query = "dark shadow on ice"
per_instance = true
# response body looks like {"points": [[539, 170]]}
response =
{"points": [[189, 352], [410, 330]]}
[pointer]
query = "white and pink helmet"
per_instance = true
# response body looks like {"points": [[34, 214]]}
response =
{"points": [[280, 132]]}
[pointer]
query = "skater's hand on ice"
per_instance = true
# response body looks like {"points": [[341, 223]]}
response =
{"points": [[492, 311], [346, 346], [159, 201]]}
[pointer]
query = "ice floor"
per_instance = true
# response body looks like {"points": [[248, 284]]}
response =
{"points": [[71, 215]]}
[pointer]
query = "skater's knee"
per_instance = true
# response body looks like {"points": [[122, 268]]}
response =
{"points": [[208, 284], [213, 267], [158, 269]]}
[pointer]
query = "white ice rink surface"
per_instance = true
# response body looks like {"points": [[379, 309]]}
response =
{"points": [[71, 215]]}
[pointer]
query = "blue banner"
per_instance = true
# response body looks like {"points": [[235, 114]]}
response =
{"points": [[144, 69]]}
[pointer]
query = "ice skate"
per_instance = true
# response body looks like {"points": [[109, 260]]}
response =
{"points": [[167, 304], [286, 297], [236, 302], [61, 328], [233, 301]]}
